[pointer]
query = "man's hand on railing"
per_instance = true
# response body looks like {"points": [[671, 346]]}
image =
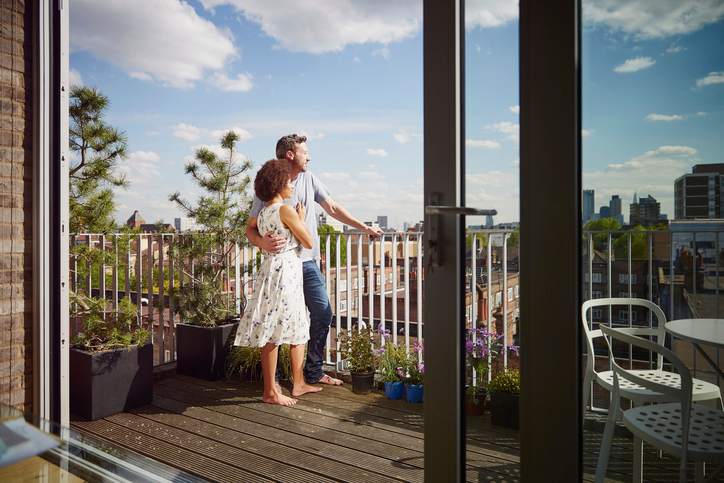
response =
{"points": [[271, 243], [373, 231]]}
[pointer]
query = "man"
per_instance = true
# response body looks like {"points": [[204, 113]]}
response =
{"points": [[308, 191]]}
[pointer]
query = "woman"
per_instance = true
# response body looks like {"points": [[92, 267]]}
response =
{"points": [[276, 313]]}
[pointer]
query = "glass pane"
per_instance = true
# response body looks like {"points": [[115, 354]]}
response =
{"points": [[651, 210], [156, 86], [492, 280]]}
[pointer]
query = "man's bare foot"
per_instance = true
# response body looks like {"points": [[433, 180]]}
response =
{"points": [[330, 381], [279, 399], [304, 388]]}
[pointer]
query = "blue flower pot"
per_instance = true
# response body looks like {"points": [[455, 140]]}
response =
{"points": [[414, 392], [394, 390]]}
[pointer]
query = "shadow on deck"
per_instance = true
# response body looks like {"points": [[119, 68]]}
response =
{"points": [[222, 431]]}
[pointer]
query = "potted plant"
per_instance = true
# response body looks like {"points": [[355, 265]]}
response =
{"points": [[356, 348], [414, 389], [207, 306], [246, 363], [392, 362], [504, 395], [482, 349], [111, 359]]}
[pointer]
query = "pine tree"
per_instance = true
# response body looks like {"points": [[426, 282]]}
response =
{"points": [[98, 148], [223, 212]]}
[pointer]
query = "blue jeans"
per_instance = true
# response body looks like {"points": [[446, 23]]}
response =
{"points": [[320, 315]]}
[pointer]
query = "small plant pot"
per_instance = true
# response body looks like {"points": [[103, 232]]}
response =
{"points": [[394, 390], [504, 409], [110, 382], [362, 382], [475, 403], [201, 351], [415, 393]]}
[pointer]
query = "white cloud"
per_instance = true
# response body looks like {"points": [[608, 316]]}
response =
{"points": [[402, 137], [495, 189], [74, 78], [329, 25], [654, 117], [357, 60], [383, 52], [141, 168], [652, 172], [646, 19], [377, 152], [482, 143], [586, 133], [510, 129], [187, 132], [711, 79], [164, 40], [515, 109], [240, 83], [634, 65], [675, 49], [243, 134], [489, 13]]}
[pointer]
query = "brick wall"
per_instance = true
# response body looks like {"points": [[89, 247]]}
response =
{"points": [[16, 196]]}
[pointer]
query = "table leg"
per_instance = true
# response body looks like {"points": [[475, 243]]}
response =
{"points": [[708, 359]]}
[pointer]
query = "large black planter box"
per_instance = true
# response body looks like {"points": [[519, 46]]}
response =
{"points": [[201, 351], [504, 409], [109, 382]]}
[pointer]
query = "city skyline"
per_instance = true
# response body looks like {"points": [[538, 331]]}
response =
{"points": [[652, 95]]}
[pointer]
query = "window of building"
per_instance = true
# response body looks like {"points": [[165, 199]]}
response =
{"points": [[623, 278], [597, 294], [510, 295], [596, 315]]}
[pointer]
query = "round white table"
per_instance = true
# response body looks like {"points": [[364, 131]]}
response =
{"points": [[700, 332]]}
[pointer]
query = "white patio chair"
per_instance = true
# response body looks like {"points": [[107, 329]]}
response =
{"points": [[691, 432], [636, 393]]}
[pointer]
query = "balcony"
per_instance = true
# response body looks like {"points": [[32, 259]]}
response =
{"points": [[221, 430]]}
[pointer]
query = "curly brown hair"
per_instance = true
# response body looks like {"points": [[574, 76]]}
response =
{"points": [[272, 178], [288, 143]]}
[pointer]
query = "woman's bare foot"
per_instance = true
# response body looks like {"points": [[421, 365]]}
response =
{"points": [[279, 399], [304, 388]]}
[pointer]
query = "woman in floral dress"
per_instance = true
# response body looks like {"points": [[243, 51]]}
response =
{"points": [[276, 313]]}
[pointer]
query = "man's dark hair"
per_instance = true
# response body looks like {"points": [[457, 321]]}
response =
{"points": [[272, 178], [288, 143]]}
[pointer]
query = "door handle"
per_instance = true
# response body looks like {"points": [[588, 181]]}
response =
{"points": [[436, 256]]}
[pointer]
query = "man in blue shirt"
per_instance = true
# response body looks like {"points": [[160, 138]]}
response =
{"points": [[308, 191]]}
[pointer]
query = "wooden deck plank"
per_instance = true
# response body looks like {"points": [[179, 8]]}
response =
{"points": [[170, 454], [350, 460], [222, 452], [477, 461]]}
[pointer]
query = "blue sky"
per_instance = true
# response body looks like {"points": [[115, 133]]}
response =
{"points": [[348, 73]]}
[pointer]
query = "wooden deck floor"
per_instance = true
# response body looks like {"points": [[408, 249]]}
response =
{"points": [[222, 431]]}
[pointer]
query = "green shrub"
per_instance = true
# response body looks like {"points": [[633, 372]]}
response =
{"points": [[506, 381], [119, 329], [246, 362], [356, 348]]}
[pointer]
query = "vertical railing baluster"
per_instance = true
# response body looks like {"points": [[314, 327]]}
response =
{"points": [[237, 279], [115, 272], [394, 288], [327, 269], [419, 291], [590, 293], [337, 298], [474, 297], [149, 279], [89, 267], [505, 300], [489, 315], [651, 288], [360, 271], [383, 321], [172, 292], [161, 297], [348, 260], [139, 276], [630, 295], [102, 274], [127, 284], [672, 316], [406, 282], [370, 282]]}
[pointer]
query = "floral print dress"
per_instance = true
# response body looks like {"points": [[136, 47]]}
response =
{"points": [[276, 312]]}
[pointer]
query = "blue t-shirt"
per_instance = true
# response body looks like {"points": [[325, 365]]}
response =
{"points": [[308, 190]]}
